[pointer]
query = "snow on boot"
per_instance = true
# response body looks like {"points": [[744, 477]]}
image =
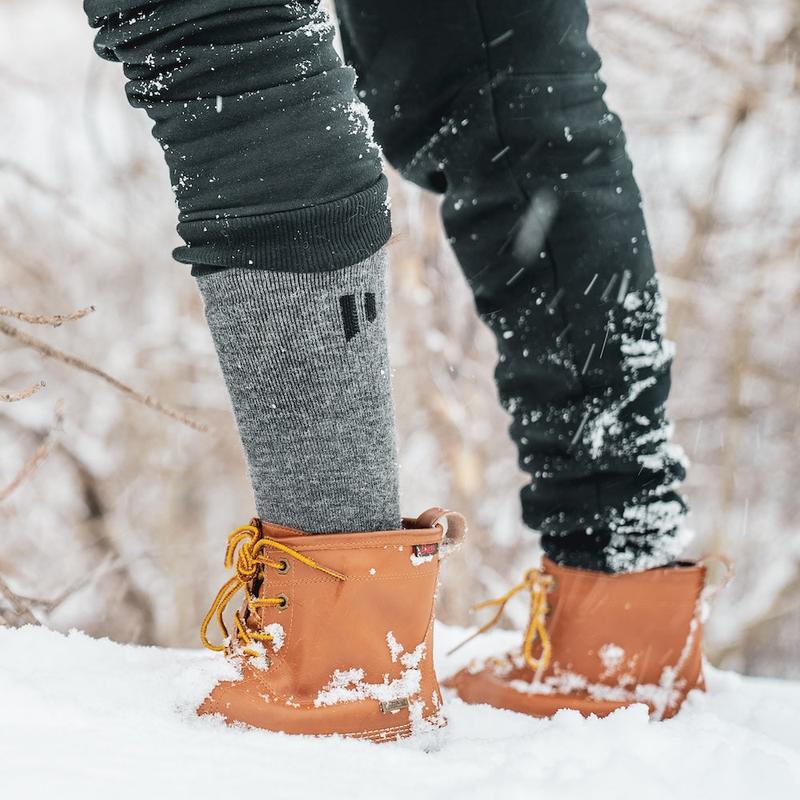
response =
{"points": [[335, 633], [597, 642]]}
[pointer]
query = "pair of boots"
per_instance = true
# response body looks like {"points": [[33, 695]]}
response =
{"points": [[335, 634]]}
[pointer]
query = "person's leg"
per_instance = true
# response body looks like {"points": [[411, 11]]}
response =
{"points": [[497, 104], [283, 213], [283, 210]]}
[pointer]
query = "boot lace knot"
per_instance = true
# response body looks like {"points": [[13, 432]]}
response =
{"points": [[538, 584], [245, 554]]}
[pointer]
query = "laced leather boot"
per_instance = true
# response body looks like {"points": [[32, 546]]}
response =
{"points": [[335, 633], [597, 642]]}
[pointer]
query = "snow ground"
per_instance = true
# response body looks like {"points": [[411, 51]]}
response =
{"points": [[86, 718]]}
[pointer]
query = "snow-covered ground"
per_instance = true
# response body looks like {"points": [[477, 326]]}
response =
{"points": [[85, 718]]}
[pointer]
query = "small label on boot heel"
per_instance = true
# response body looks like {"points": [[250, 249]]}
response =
{"points": [[393, 706], [426, 549]]}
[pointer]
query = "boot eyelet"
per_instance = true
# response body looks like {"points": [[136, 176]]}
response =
{"points": [[283, 568], [284, 604]]}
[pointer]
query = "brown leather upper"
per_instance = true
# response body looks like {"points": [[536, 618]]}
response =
{"points": [[616, 640], [352, 656]]}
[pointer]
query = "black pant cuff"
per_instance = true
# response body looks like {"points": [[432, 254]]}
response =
{"points": [[322, 237]]}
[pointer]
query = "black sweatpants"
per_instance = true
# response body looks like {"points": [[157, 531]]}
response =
{"points": [[496, 105]]}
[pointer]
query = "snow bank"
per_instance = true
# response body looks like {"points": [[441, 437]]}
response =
{"points": [[82, 718]]}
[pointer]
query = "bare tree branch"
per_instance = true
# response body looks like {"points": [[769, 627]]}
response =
{"points": [[18, 605], [41, 319], [783, 602], [13, 397], [100, 541], [34, 460], [42, 187], [108, 566], [686, 37], [59, 355]]}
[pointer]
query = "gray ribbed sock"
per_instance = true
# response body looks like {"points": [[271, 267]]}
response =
{"points": [[306, 362]]}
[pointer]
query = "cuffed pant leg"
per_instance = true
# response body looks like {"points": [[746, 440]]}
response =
{"points": [[497, 105]]}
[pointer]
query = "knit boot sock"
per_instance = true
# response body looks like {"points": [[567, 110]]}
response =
{"points": [[305, 359]]}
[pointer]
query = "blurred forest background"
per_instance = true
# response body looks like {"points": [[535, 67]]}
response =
{"points": [[113, 516]]}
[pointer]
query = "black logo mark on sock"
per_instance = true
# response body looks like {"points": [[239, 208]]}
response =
{"points": [[369, 306], [349, 310], [347, 305]]}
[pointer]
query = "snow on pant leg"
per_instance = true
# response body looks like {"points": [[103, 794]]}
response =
{"points": [[270, 154], [283, 212], [497, 105]]}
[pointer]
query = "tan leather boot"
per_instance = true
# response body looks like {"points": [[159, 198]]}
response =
{"points": [[597, 642], [335, 634]]}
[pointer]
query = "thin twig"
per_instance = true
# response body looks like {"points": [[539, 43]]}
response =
{"points": [[780, 605], [42, 319], [13, 397], [59, 355], [17, 604], [686, 36], [33, 181], [108, 566], [100, 541], [34, 460]]}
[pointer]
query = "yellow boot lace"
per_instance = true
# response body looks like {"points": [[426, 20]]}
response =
{"points": [[246, 545], [538, 584]]}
